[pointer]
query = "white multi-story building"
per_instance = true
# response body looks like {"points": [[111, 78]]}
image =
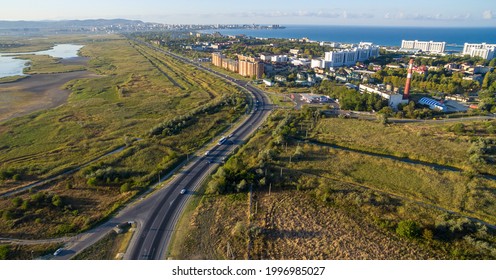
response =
{"points": [[486, 51], [425, 46], [351, 56], [336, 58], [266, 57], [317, 63], [279, 58]]}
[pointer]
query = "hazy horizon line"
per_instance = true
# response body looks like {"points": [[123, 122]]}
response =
{"points": [[280, 24]]}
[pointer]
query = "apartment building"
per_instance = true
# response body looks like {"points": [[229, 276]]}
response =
{"points": [[251, 69], [245, 65]]}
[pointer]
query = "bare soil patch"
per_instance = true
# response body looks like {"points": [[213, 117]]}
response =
{"points": [[37, 92]]}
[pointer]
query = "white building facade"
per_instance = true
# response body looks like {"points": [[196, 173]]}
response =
{"points": [[279, 58], [425, 46], [486, 51]]}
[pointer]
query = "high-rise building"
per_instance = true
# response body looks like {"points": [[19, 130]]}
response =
{"points": [[486, 51], [425, 46], [245, 66], [251, 69], [217, 59], [230, 64], [351, 56]]}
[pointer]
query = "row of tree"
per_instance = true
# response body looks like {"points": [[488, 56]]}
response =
{"points": [[434, 81]]}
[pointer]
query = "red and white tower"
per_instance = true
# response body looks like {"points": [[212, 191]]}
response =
{"points": [[406, 93]]}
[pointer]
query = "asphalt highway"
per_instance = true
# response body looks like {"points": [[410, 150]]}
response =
{"points": [[157, 213], [153, 238]]}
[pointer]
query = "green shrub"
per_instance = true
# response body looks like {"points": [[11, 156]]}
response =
{"points": [[7, 215], [91, 181], [17, 201], [408, 229], [57, 201], [4, 252], [125, 188]]}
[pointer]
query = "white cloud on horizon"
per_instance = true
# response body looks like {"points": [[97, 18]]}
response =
{"points": [[487, 14], [297, 14], [426, 17]]}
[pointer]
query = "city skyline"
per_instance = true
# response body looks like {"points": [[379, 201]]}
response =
{"points": [[443, 13]]}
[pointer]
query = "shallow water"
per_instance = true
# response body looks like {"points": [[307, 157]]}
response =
{"points": [[10, 66]]}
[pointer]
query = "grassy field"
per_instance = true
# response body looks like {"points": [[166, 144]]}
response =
{"points": [[11, 79], [450, 190], [293, 225], [281, 100], [420, 141], [123, 106], [316, 202], [45, 64], [26, 252], [215, 231], [111, 247]]}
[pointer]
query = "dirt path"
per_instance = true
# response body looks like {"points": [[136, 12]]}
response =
{"points": [[37, 92]]}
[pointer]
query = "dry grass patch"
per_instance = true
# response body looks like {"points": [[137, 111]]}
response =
{"points": [[218, 229], [294, 226]]}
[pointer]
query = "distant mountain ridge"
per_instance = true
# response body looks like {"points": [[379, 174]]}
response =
{"points": [[4, 24]]}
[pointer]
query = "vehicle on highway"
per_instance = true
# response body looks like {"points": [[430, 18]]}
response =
{"points": [[207, 153], [59, 250], [230, 135], [183, 191], [222, 140]]}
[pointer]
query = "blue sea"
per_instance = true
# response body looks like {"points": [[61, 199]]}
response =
{"points": [[384, 36]]}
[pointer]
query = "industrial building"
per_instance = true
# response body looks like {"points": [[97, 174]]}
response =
{"points": [[394, 97]]}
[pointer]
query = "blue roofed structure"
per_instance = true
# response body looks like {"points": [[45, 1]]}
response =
{"points": [[433, 104]]}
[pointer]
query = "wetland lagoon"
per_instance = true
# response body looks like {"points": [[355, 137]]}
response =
{"points": [[42, 90], [11, 65]]}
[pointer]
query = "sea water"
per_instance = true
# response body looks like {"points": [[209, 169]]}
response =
{"points": [[384, 36]]}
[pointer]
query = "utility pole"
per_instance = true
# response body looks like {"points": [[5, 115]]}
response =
{"points": [[270, 187]]}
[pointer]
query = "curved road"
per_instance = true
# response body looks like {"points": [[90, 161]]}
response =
{"points": [[152, 240], [156, 215]]}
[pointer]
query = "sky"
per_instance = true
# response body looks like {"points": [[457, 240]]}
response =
{"points": [[445, 13]]}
